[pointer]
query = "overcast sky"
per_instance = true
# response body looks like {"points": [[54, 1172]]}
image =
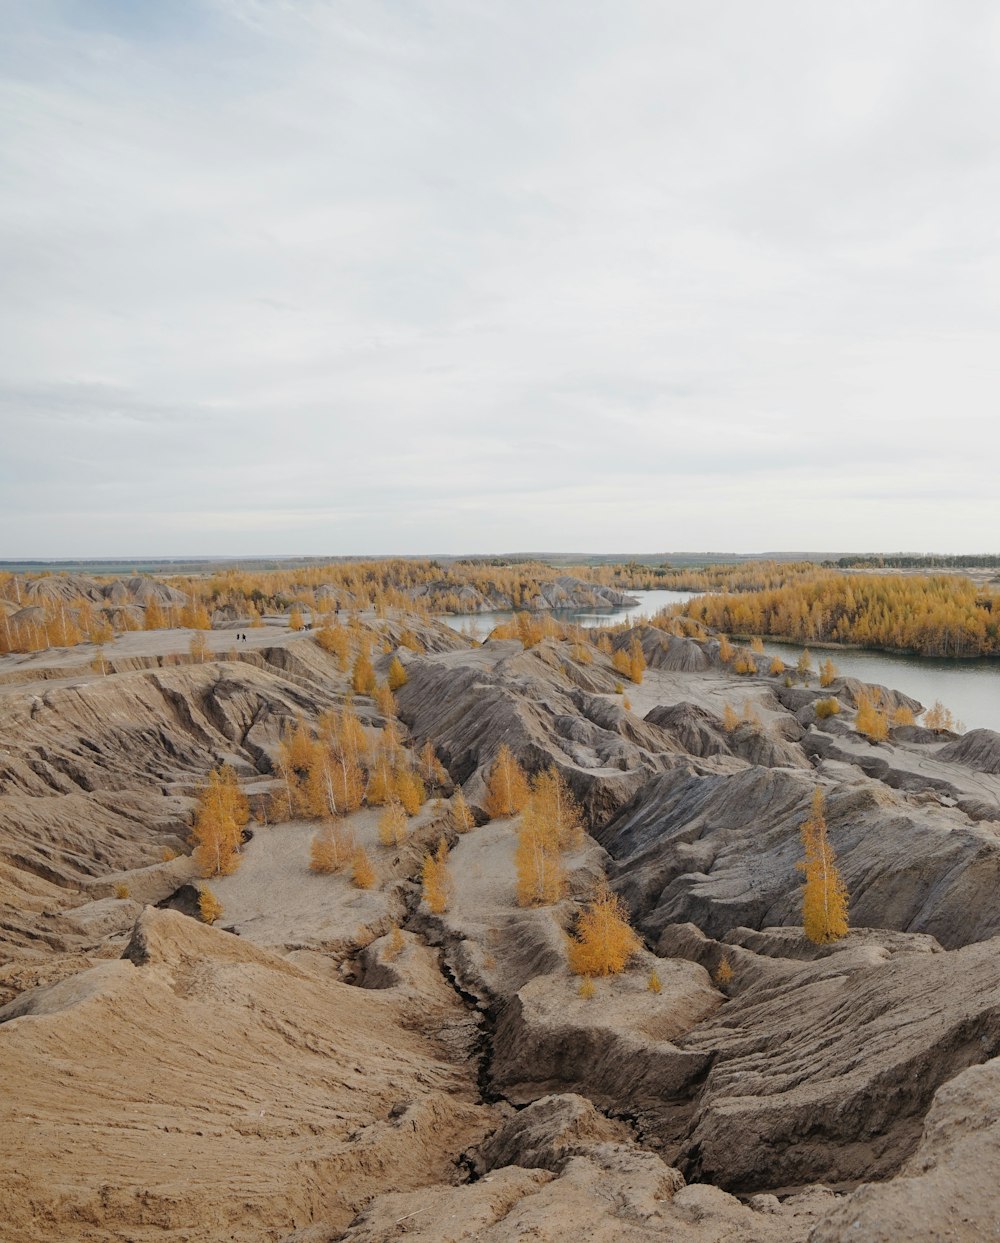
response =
{"points": [[337, 276]]}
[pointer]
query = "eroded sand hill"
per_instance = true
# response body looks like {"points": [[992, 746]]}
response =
{"points": [[306, 1075]]}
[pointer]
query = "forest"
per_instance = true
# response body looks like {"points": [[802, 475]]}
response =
{"points": [[943, 615]]}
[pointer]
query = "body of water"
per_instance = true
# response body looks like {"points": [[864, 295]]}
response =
{"points": [[479, 625], [970, 688]]}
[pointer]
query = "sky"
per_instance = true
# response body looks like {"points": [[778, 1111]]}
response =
{"points": [[373, 276]]}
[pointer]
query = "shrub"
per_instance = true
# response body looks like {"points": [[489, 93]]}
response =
{"points": [[410, 791], [436, 878], [871, 719], [605, 941], [385, 700], [397, 674], [394, 946], [724, 972], [824, 899], [209, 906], [827, 707], [654, 985], [392, 825], [362, 675], [777, 667], [461, 814], [121, 891], [586, 989], [362, 873], [331, 849], [507, 788]]}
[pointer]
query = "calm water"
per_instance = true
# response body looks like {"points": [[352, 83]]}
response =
{"points": [[479, 625], [970, 688]]}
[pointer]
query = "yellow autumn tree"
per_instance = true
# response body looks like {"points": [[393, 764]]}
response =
{"points": [[461, 814], [209, 906], [636, 661], [363, 674], [385, 700], [541, 876], [295, 621], [436, 878], [777, 666], [332, 848], [824, 898], [363, 875], [392, 825], [871, 719], [604, 941], [430, 767], [554, 803], [221, 813], [827, 672], [507, 789], [397, 674]]}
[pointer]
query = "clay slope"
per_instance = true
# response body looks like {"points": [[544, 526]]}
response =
{"points": [[202, 1089], [720, 850], [543, 704], [823, 1067]]}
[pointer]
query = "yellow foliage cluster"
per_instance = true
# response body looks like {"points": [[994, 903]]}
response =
{"points": [[332, 848], [939, 717], [744, 663], [630, 662], [824, 899], [336, 640], [827, 672], [939, 615], [551, 824], [507, 789], [871, 719], [363, 875], [604, 941], [335, 771], [461, 814], [397, 674], [430, 767], [436, 879], [209, 906], [827, 707], [221, 813]]}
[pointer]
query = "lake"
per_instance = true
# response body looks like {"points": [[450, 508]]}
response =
{"points": [[970, 688], [479, 625]]}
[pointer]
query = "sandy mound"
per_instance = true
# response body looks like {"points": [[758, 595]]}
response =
{"points": [[225, 1092]]}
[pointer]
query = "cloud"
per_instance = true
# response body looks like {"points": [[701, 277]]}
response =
{"points": [[342, 276]]}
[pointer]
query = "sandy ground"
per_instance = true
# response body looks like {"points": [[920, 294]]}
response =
{"points": [[274, 899]]}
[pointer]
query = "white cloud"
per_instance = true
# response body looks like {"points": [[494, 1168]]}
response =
{"points": [[343, 276]]}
